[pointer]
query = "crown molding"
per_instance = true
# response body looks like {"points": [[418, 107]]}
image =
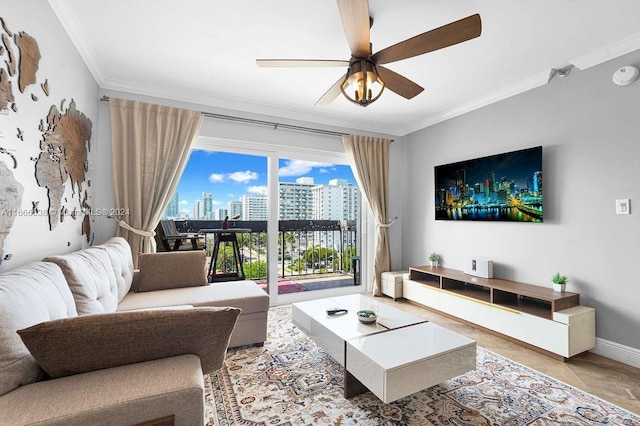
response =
{"points": [[498, 95], [607, 53], [591, 59], [72, 26]]}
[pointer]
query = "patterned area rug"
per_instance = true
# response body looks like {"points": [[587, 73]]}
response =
{"points": [[291, 381]]}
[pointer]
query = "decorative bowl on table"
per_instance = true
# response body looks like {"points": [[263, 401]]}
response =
{"points": [[367, 316]]}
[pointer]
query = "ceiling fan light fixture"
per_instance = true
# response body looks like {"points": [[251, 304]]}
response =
{"points": [[362, 84]]}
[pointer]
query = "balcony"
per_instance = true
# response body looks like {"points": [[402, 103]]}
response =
{"points": [[312, 254]]}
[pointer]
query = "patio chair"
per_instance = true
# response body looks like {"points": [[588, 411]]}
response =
{"points": [[169, 239]]}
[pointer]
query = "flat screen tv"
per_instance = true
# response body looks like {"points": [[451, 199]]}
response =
{"points": [[502, 187]]}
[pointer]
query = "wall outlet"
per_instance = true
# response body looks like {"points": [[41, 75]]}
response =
{"points": [[623, 206]]}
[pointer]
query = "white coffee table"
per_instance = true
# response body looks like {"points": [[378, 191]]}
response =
{"points": [[398, 355], [331, 331], [406, 360]]}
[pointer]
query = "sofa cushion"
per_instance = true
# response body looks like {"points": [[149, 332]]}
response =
{"points": [[29, 295], [161, 271], [127, 395], [91, 279], [119, 252], [244, 294], [93, 342]]}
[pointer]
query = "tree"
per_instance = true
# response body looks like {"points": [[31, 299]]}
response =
{"points": [[290, 239], [299, 266], [347, 264], [255, 270], [225, 261]]}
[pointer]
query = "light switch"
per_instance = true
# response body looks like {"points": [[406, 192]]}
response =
{"points": [[623, 206]]}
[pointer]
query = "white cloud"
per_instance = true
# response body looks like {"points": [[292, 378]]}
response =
{"points": [[243, 177], [216, 202], [184, 202], [257, 189], [299, 167], [216, 178]]}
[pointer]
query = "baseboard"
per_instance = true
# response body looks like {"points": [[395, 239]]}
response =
{"points": [[617, 352]]}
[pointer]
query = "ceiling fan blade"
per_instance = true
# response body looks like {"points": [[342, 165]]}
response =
{"points": [[355, 20], [301, 63], [331, 94], [447, 35], [398, 83]]}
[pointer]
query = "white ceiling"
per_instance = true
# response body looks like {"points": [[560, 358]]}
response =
{"points": [[204, 51]]}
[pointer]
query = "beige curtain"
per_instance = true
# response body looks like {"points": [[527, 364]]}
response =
{"points": [[150, 148], [369, 159]]}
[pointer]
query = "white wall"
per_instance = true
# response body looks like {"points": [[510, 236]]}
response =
{"points": [[589, 129], [68, 78]]}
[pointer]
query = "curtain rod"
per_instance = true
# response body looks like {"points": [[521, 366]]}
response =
{"points": [[263, 123], [273, 124]]}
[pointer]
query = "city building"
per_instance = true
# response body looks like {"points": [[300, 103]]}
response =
{"points": [[173, 208], [234, 208], [339, 200], [207, 205], [296, 199], [254, 207], [198, 210], [220, 214]]}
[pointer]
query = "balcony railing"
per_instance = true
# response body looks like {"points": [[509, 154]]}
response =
{"points": [[305, 247]]}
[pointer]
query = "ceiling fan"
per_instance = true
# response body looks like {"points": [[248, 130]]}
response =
{"points": [[366, 78]]}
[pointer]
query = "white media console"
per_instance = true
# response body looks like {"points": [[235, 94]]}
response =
{"points": [[548, 321]]}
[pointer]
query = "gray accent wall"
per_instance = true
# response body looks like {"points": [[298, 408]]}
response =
{"points": [[590, 132]]}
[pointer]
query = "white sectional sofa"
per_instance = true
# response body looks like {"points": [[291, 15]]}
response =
{"points": [[85, 339]]}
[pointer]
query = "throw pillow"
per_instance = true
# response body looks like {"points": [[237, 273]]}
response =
{"points": [[93, 342], [161, 271]]}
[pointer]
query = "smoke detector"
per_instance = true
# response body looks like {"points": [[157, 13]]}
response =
{"points": [[625, 75]]}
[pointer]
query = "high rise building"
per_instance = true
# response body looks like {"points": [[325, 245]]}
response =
{"points": [[339, 200], [254, 207], [207, 205], [197, 210], [296, 199], [492, 181], [173, 208], [220, 214], [537, 183], [461, 181], [234, 208]]}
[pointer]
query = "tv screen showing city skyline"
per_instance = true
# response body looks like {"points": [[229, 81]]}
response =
{"points": [[502, 187]]}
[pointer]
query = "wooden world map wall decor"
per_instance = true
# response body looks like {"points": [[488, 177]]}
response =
{"points": [[64, 145], [63, 157]]}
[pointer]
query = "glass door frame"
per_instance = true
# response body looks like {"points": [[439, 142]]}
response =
{"points": [[273, 153]]}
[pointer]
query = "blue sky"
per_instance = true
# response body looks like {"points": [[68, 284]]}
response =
{"points": [[229, 176]]}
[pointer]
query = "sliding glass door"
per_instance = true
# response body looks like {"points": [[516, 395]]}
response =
{"points": [[318, 213], [301, 216]]}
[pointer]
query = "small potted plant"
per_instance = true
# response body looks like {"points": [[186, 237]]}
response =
{"points": [[433, 258], [559, 282]]}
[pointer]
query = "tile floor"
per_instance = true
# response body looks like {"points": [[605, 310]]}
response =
{"points": [[310, 282], [610, 380]]}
